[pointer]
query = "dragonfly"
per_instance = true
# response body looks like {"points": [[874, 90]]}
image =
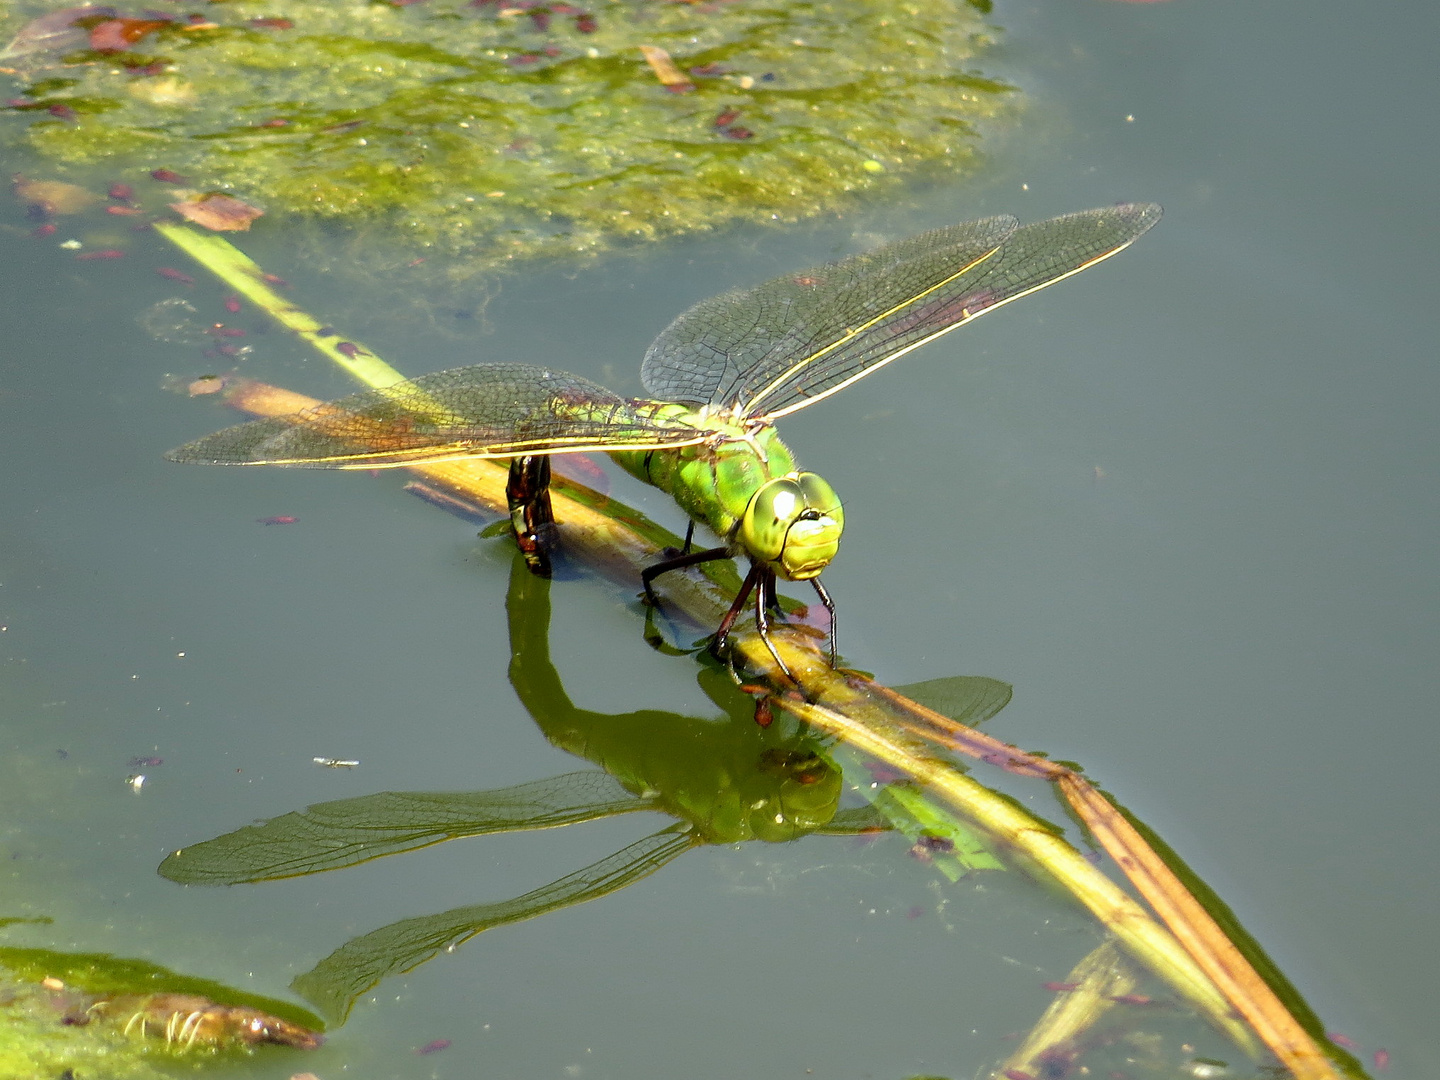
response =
{"points": [[720, 376]]}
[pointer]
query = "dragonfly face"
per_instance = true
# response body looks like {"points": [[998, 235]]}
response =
{"points": [[719, 376], [793, 525]]}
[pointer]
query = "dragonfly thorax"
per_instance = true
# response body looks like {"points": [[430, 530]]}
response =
{"points": [[741, 482]]}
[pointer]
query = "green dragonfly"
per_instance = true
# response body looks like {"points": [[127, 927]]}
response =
{"points": [[721, 374]]}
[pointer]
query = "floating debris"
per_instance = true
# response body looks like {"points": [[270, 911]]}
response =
{"points": [[54, 196], [335, 763], [118, 35], [205, 384], [220, 213], [673, 79], [186, 1019]]}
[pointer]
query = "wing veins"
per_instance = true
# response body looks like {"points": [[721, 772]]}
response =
{"points": [[487, 410], [459, 452], [969, 317], [781, 379]]}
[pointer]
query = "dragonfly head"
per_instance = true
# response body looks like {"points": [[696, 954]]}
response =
{"points": [[793, 525]]}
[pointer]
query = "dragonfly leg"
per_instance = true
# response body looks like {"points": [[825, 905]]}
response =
{"points": [[650, 573], [528, 493], [723, 631], [830, 607], [689, 536], [764, 596]]}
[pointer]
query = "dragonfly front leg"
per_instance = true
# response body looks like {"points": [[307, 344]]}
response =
{"points": [[830, 607], [527, 491], [766, 596]]}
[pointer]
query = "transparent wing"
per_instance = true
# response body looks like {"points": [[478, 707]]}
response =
{"points": [[488, 410], [782, 346], [725, 350]]}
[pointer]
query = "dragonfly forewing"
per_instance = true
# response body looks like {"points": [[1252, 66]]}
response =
{"points": [[868, 310], [486, 410], [726, 350], [1031, 258]]}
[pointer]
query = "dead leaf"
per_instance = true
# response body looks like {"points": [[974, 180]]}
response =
{"points": [[55, 196], [117, 35], [665, 70], [206, 384], [222, 213]]}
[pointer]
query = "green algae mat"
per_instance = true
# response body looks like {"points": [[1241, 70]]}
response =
{"points": [[493, 130]]}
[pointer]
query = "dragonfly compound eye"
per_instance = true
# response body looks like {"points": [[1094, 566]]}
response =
{"points": [[821, 499], [772, 510], [794, 524]]}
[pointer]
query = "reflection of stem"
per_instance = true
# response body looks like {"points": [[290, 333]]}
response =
{"points": [[1191, 922], [1197, 930], [617, 547], [1144, 938], [1197, 959], [1090, 992]]}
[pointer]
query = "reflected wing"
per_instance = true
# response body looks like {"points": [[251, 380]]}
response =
{"points": [[788, 343], [334, 984], [488, 410], [347, 832]]}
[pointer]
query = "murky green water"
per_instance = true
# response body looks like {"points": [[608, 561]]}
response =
{"points": [[1184, 504]]}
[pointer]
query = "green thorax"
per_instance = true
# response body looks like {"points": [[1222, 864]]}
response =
{"points": [[712, 481]]}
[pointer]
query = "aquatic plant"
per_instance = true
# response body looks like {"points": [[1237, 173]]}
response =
{"points": [[496, 131]]}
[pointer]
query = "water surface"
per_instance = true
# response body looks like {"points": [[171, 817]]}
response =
{"points": [[1185, 503]]}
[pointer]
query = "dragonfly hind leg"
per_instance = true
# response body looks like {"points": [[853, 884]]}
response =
{"points": [[527, 491], [679, 562], [650, 573]]}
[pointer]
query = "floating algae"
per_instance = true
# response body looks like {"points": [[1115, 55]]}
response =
{"points": [[90, 1015], [495, 130]]}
